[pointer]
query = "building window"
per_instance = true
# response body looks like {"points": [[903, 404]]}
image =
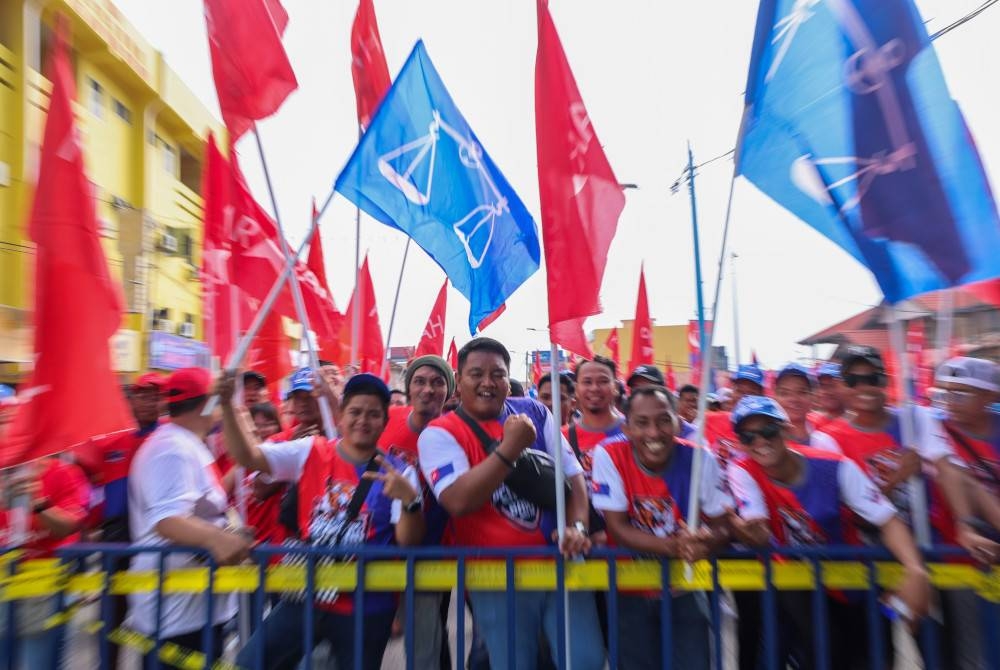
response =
{"points": [[122, 112], [95, 98], [169, 159]]}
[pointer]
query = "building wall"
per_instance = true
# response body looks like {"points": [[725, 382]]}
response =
{"points": [[143, 134], [669, 346]]}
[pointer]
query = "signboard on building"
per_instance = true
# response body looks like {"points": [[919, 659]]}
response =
{"points": [[126, 351], [171, 352]]}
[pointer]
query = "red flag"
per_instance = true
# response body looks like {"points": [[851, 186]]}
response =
{"points": [[371, 348], [612, 344], [268, 354], [671, 379], [72, 393], [371, 74], [987, 291], [642, 329], [536, 369], [432, 341], [580, 196], [332, 348], [251, 69], [221, 298], [258, 261], [453, 355]]}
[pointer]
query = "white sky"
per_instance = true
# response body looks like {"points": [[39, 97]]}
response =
{"points": [[653, 75]]}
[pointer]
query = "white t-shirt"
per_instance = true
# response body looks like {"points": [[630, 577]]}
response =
{"points": [[287, 459], [173, 475], [855, 489], [443, 460]]}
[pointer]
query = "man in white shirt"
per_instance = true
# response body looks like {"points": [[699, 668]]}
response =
{"points": [[176, 497]]}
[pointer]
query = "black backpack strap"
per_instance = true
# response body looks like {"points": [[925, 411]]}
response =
{"points": [[574, 441], [962, 442], [357, 500], [489, 444]]}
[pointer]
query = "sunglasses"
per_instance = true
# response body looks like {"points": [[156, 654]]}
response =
{"points": [[874, 379], [768, 432]]}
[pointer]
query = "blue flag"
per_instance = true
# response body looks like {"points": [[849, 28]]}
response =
{"points": [[849, 125], [421, 169]]}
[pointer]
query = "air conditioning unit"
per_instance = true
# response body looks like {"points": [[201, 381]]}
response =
{"points": [[166, 326], [168, 243], [187, 329]]}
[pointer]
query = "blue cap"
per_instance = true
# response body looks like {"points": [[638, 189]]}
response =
{"points": [[368, 383], [798, 371], [829, 369], [757, 405], [301, 380], [751, 373]]}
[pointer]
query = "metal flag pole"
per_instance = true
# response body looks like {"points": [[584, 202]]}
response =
{"points": [[240, 352], [300, 306], [395, 302], [356, 316], [557, 456], [944, 326], [694, 502]]}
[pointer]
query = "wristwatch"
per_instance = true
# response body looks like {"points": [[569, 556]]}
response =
{"points": [[414, 506]]}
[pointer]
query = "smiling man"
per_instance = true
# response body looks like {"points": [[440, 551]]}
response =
{"points": [[793, 496], [467, 456]]}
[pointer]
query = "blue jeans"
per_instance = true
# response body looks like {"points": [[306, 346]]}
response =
{"points": [[283, 637], [31, 650], [537, 611], [639, 635]]}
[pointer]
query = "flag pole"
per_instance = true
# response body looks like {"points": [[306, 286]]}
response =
{"points": [[395, 302], [907, 428], [694, 502], [243, 346], [944, 326], [300, 306], [556, 385], [356, 316]]}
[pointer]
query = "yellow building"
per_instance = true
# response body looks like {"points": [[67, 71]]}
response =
{"points": [[144, 134], [669, 346]]}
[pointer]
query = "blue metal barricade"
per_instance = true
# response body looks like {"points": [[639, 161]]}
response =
{"points": [[809, 574]]}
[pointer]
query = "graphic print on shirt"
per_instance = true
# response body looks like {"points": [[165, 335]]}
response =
{"points": [[880, 466], [327, 517], [408, 457], [656, 515], [517, 510], [800, 530]]}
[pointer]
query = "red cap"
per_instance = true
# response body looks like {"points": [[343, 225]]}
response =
{"points": [[187, 383], [149, 380]]}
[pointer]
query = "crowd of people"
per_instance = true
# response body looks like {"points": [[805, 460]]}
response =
{"points": [[820, 460]]}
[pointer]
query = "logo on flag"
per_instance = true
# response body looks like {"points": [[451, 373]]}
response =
{"points": [[420, 169], [850, 126]]}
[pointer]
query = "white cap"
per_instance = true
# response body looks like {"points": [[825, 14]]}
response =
{"points": [[977, 373]]}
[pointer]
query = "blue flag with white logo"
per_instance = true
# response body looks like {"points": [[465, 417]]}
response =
{"points": [[420, 168], [849, 125]]}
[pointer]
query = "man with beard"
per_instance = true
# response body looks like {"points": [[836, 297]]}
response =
{"points": [[468, 480], [428, 382]]}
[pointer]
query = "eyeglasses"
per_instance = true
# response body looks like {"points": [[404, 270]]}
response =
{"points": [[874, 379], [768, 432]]}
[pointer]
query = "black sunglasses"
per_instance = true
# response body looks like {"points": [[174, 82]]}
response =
{"points": [[768, 432], [874, 379]]}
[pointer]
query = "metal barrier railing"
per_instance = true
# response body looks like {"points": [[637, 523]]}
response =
{"points": [[85, 570]]}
